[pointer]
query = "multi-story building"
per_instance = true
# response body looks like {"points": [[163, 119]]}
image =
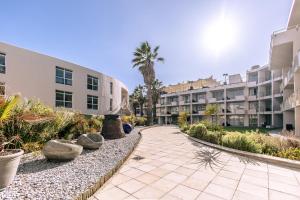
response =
{"points": [[257, 101], [285, 59], [58, 83]]}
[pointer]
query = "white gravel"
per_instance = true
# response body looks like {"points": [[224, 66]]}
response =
{"points": [[40, 179]]}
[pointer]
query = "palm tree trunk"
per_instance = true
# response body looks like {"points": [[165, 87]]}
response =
{"points": [[149, 106], [142, 110]]}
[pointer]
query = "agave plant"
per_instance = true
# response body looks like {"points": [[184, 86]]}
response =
{"points": [[6, 107]]}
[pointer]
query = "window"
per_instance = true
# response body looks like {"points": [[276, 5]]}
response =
{"points": [[2, 63], [111, 104], [63, 99], [63, 76], [92, 83], [2, 89], [92, 102], [111, 87]]}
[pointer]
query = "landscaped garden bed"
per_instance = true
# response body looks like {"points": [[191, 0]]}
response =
{"points": [[245, 139], [38, 178]]}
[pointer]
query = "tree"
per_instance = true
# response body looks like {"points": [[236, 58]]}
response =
{"points": [[138, 99], [144, 59], [156, 88], [212, 110]]}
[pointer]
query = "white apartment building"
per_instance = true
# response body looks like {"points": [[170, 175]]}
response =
{"points": [[285, 59], [58, 83], [255, 102], [269, 97]]}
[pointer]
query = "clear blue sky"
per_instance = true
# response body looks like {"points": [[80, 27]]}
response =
{"points": [[103, 34]]}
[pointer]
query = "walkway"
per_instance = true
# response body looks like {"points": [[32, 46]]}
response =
{"points": [[167, 165]]}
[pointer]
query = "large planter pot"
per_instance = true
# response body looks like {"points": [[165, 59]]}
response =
{"points": [[112, 127], [90, 140], [9, 166], [61, 150]]}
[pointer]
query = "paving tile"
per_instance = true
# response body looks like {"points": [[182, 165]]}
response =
{"points": [[185, 171], [231, 175], [169, 166], [119, 179], [253, 189], [263, 182], [147, 178], [194, 183], [169, 197], [226, 182], [131, 186], [146, 167], [133, 173], [164, 185], [289, 189], [205, 196], [275, 195], [219, 191], [184, 192], [175, 177], [149, 192], [239, 195], [114, 192], [159, 172]]}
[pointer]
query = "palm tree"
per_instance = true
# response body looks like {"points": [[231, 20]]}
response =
{"points": [[144, 59], [156, 89], [133, 103], [212, 110], [139, 98]]}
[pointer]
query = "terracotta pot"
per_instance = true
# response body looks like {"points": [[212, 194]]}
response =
{"points": [[9, 166]]}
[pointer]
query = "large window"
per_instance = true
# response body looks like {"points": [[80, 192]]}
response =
{"points": [[92, 102], [111, 104], [63, 99], [92, 83], [63, 76], [111, 87], [2, 63], [2, 89]]}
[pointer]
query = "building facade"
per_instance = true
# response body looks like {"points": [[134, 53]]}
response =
{"points": [[285, 59], [255, 102], [58, 83]]}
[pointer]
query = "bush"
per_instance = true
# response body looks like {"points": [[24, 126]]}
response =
{"points": [[290, 153], [212, 126], [185, 128], [239, 141], [182, 119], [197, 130], [95, 124], [213, 137], [141, 121]]}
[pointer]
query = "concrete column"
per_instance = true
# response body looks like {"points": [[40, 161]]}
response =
{"points": [[297, 97]]}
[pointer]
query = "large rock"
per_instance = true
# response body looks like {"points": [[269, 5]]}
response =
{"points": [[112, 127], [90, 140], [61, 150]]}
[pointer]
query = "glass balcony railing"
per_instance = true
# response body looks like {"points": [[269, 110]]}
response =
{"points": [[292, 101]]}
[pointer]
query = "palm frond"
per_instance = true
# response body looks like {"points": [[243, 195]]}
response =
{"points": [[161, 59], [9, 107]]}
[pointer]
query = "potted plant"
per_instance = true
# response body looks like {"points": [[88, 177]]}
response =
{"points": [[9, 158]]}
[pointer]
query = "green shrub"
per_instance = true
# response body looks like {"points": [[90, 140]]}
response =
{"points": [[239, 141], [197, 130], [141, 121], [95, 124], [185, 128], [213, 137], [290, 153], [212, 126], [182, 119]]}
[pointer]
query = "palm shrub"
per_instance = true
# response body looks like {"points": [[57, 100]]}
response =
{"points": [[290, 153], [182, 119], [197, 130], [212, 126]]}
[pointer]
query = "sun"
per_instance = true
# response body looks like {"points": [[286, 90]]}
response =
{"points": [[220, 35]]}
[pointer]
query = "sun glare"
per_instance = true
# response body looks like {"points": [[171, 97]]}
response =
{"points": [[220, 35]]}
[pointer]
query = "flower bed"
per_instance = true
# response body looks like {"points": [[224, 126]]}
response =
{"points": [[38, 178]]}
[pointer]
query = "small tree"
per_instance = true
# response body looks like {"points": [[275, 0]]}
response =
{"points": [[212, 110], [182, 119]]}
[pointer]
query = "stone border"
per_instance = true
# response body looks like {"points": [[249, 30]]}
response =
{"points": [[93, 189], [261, 157]]}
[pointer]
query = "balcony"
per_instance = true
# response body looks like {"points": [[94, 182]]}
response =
{"points": [[278, 108], [202, 101], [290, 74], [201, 112], [252, 111], [174, 103], [184, 102], [252, 98], [237, 111], [292, 101], [174, 112], [158, 105], [251, 84], [237, 98], [212, 100]]}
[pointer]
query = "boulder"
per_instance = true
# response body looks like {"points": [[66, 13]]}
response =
{"points": [[112, 127], [90, 140], [61, 150]]}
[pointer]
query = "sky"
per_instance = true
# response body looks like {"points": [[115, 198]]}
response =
{"points": [[197, 38]]}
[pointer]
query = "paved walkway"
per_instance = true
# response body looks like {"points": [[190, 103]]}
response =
{"points": [[167, 165]]}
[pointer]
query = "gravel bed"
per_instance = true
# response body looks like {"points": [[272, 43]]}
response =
{"points": [[38, 178]]}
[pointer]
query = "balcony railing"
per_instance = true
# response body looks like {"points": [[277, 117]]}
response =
{"points": [[252, 111], [251, 83], [236, 98], [252, 98], [174, 103], [212, 100], [290, 74]]}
